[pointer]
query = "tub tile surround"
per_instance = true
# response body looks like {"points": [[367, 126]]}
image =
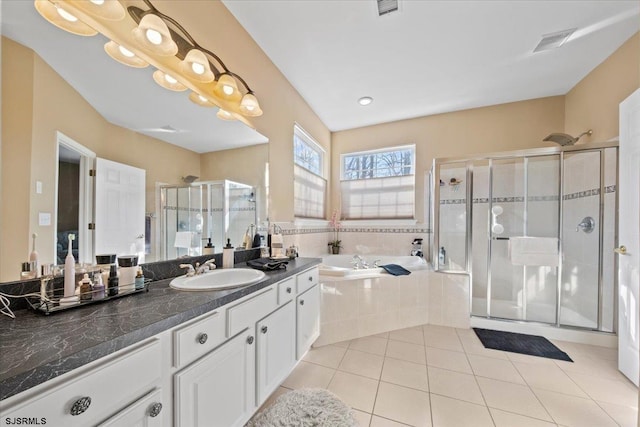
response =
{"points": [[458, 387], [356, 308]]}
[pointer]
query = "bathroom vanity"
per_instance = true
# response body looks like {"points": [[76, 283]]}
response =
{"points": [[168, 358]]}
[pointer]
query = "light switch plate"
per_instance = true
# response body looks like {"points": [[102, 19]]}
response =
{"points": [[44, 219], [38, 187]]}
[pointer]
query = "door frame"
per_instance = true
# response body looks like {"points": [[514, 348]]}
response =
{"points": [[85, 205]]}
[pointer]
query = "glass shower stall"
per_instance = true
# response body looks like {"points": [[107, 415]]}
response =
{"points": [[535, 230]]}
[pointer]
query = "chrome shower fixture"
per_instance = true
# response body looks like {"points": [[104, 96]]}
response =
{"points": [[189, 179], [564, 139]]}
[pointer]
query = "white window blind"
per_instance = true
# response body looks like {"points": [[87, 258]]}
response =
{"points": [[309, 193], [309, 186], [378, 184]]}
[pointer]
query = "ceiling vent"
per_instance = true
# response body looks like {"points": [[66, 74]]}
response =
{"points": [[553, 40], [387, 6]]}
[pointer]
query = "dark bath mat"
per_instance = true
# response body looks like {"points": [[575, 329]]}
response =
{"points": [[532, 345]]}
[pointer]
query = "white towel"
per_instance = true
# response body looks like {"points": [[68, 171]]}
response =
{"points": [[184, 239], [533, 251]]}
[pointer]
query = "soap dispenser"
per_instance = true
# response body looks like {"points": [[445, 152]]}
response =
{"points": [[208, 249], [227, 255]]}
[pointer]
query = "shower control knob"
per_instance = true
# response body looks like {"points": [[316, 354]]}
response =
{"points": [[622, 250]]}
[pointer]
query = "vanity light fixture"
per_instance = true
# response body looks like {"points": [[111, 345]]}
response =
{"points": [[365, 100], [150, 37]]}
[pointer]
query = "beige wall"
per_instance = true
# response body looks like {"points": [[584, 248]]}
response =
{"points": [[37, 102], [502, 127], [593, 102]]}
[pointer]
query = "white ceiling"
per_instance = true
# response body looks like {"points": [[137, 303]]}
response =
{"points": [[432, 56], [122, 95]]}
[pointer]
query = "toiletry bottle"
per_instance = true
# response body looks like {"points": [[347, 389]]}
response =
{"points": [[85, 288], [112, 285], [208, 249], [139, 279], [442, 256], [227, 255], [70, 271], [98, 286]]}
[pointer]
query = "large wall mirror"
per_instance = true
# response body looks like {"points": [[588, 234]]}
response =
{"points": [[64, 87]]}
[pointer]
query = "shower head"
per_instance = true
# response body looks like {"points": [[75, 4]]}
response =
{"points": [[189, 179], [564, 139]]}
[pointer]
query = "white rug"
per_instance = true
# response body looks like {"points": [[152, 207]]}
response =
{"points": [[305, 408]]}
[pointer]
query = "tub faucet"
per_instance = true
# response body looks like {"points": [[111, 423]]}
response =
{"points": [[358, 262]]}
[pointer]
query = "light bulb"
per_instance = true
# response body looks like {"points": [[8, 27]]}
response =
{"points": [[197, 68], [250, 107], [153, 36], [202, 98], [126, 52], [66, 15], [170, 79], [98, 2], [228, 90]]}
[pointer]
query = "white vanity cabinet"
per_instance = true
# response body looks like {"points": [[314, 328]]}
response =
{"points": [[276, 349], [219, 389], [146, 412], [307, 319]]}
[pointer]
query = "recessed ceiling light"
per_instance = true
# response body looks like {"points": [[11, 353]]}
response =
{"points": [[365, 100]]}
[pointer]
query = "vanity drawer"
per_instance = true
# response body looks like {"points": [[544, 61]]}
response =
{"points": [[251, 310], [307, 279], [91, 395], [286, 290], [198, 338]]}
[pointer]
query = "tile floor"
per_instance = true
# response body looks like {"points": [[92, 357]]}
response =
{"points": [[439, 376]]}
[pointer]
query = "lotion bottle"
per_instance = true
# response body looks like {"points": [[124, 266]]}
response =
{"points": [[33, 256], [227, 255]]}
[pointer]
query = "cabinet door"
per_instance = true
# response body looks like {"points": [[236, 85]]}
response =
{"points": [[146, 412], [308, 319], [276, 349], [219, 389]]}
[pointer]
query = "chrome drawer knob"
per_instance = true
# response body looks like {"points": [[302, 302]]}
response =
{"points": [[310, 279], [250, 340], [264, 329], [288, 290], [301, 302], [202, 338], [80, 405], [155, 409]]}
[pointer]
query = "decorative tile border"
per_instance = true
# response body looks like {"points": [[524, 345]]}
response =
{"points": [[397, 230], [198, 210]]}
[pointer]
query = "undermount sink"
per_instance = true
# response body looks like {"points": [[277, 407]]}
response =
{"points": [[218, 279]]}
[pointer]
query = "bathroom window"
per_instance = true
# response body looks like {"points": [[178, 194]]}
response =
{"points": [[309, 184], [378, 184]]}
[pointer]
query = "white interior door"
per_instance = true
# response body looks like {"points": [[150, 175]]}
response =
{"points": [[628, 237], [119, 214]]}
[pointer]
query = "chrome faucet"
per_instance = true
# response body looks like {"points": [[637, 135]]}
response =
{"points": [[206, 267], [190, 270], [359, 263]]}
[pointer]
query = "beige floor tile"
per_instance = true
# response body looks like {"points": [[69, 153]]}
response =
{"points": [[446, 341], [455, 385], [279, 392], [512, 397], [533, 360], [595, 351], [412, 335], [408, 374], [626, 416], [448, 359], [573, 411], [449, 412], [362, 418], [403, 404], [406, 351], [374, 345], [606, 390], [328, 355], [383, 422], [361, 363], [439, 329], [507, 419], [548, 377], [494, 368], [354, 390], [592, 366], [309, 375], [344, 344], [382, 335], [480, 350]]}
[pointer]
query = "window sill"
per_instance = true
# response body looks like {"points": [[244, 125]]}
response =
{"points": [[311, 222]]}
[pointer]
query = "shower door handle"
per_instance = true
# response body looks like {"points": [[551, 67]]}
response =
{"points": [[500, 238], [622, 250]]}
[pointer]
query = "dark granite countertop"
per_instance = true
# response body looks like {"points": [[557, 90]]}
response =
{"points": [[35, 348]]}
